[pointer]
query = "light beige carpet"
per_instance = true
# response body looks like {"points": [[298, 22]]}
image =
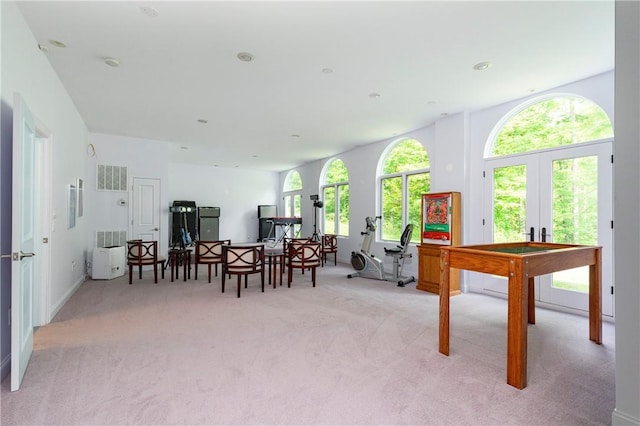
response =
{"points": [[350, 351]]}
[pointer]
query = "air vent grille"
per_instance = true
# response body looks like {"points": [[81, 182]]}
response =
{"points": [[111, 178], [111, 238]]}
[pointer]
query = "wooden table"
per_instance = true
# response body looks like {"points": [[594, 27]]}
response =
{"points": [[520, 263]]}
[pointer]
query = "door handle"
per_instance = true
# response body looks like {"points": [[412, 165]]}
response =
{"points": [[17, 256], [156, 229], [544, 235], [531, 233]]}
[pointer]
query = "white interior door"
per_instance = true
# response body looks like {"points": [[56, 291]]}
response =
{"points": [[23, 240], [146, 209], [560, 195]]}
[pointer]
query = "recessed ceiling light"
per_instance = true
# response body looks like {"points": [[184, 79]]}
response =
{"points": [[481, 66], [444, 114], [531, 90], [245, 57], [431, 103], [149, 11], [57, 43], [184, 147], [327, 70], [203, 121], [374, 95], [295, 136], [112, 62]]}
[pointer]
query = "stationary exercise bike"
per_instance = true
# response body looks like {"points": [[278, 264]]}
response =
{"points": [[369, 266]]}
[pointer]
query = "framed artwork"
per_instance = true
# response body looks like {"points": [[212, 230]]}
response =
{"points": [[73, 200], [80, 184]]}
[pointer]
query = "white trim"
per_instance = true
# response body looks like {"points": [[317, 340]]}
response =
{"points": [[622, 419]]}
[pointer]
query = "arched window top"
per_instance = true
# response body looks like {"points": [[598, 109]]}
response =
{"points": [[335, 172], [548, 123], [293, 181], [406, 155]]}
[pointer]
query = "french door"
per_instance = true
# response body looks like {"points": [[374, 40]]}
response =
{"points": [[562, 195]]}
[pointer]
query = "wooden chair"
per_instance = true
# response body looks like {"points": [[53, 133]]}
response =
{"points": [[303, 255], [142, 253], [329, 245], [242, 260], [209, 253]]}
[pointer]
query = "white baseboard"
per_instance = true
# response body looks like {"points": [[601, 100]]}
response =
{"points": [[5, 368], [55, 309], [621, 419]]}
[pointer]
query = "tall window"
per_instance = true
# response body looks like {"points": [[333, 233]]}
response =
{"points": [[292, 192], [404, 178], [335, 193]]}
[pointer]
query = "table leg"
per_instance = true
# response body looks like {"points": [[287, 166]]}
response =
{"points": [[595, 301], [172, 260], [275, 261], [184, 257], [532, 301], [518, 302], [444, 302]]}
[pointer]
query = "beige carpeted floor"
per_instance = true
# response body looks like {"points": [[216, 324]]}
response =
{"points": [[350, 351]]}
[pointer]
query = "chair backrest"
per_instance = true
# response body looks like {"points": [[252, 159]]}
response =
{"points": [[329, 242], [210, 251], [405, 239], [243, 259], [142, 252], [304, 254], [287, 241]]}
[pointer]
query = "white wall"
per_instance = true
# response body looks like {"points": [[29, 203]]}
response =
{"points": [[26, 70], [237, 192], [143, 158], [627, 213]]}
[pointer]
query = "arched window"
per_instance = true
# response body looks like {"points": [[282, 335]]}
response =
{"points": [[335, 194], [549, 123], [292, 194], [404, 176]]}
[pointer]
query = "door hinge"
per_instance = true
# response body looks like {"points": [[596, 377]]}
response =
{"points": [[611, 289], [484, 174], [611, 158], [611, 224], [482, 222]]}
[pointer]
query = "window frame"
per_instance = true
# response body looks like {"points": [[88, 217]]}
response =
{"points": [[405, 189], [336, 187]]}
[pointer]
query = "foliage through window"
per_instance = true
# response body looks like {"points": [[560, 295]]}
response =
{"points": [[405, 177], [335, 194], [292, 197], [551, 123]]}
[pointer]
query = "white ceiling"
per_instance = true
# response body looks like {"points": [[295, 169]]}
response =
{"points": [[182, 66]]}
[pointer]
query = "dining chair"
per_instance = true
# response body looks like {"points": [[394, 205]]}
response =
{"points": [[209, 253], [242, 260], [303, 255], [329, 246], [144, 253]]}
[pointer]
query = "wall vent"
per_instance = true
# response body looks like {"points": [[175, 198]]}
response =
{"points": [[111, 178], [111, 238]]}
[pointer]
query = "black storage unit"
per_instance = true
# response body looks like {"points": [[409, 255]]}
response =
{"points": [[208, 223], [183, 215], [266, 230]]}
